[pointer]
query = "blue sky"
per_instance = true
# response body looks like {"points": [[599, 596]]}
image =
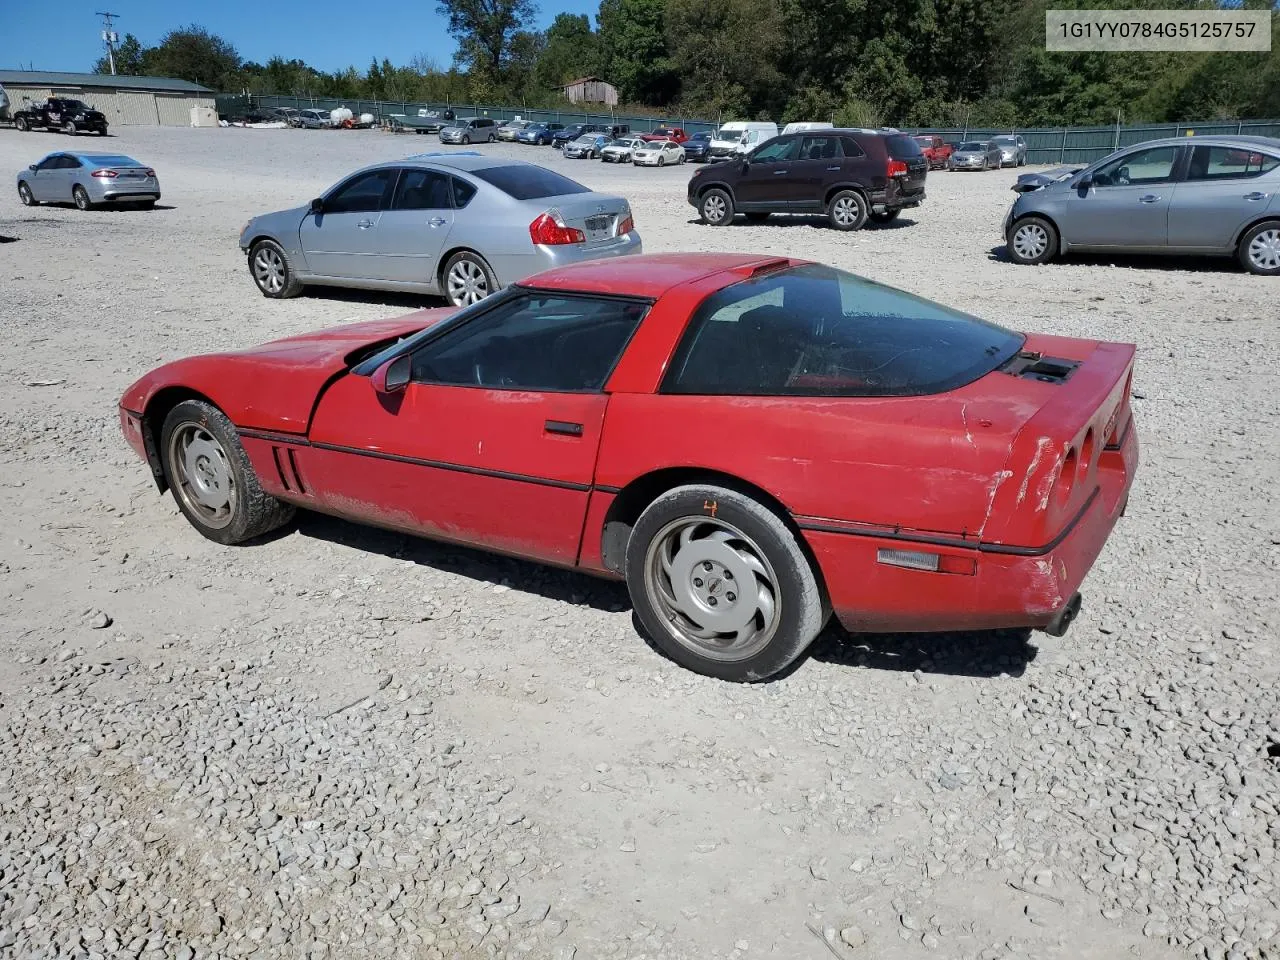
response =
{"points": [[328, 34]]}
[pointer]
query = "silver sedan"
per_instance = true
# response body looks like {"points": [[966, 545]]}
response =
{"points": [[976, 155], [459, 225], [88, 179]]}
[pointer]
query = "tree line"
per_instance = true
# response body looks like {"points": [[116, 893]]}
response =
{"points": [[859, 62]]}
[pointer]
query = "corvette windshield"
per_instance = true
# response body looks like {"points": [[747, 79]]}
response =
{"points": [[816, 331]]}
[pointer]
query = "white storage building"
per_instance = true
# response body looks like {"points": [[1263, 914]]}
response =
{"points": [[154, 101]]}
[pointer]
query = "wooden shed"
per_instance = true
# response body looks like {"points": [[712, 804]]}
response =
{"points": [[591, 90]]}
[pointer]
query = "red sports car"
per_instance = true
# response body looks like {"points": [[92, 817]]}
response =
{"points": [[750, 442]]}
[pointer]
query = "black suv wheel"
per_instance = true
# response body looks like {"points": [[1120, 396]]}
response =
{"points": [[716, 207], [847, 210]]}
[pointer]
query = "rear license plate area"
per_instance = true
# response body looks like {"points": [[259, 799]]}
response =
{"points": [[598, 227]]}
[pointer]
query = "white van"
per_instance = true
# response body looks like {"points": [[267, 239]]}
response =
{"points": [[740, 136], [800, 126]]}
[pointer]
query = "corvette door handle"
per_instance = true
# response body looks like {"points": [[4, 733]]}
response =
{"points": [[563, 427], [437, 221], [365, 224], [1149, 198], [1256, 196]]}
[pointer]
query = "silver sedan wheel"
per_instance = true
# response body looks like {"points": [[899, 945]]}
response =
{"points": [[466, 283], [714, 586], [202, 473], [847, 210], [1030, 241], [269, 269], [1264, 249]]}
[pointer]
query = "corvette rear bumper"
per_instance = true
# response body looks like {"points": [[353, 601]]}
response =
{"points": [[979, 586]]}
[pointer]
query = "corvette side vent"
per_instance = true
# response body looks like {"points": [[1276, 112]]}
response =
{"points": [[1036, 366]]}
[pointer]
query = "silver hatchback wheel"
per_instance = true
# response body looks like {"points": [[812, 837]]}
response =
{"points": [[1030, 241], [1264, 250], [269, 269], [714, 587], [466, 282], [203, 475]]}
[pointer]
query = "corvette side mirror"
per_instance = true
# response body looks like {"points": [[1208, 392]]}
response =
{"points": [[317, 205], [393, 376]]}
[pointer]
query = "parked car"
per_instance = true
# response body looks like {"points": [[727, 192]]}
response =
{"points": [[1183, 195], [976, 155], [800, 126], [63, 114], [1027, 182], [664, 132], [587, 147], [1013, 150], [657, 153], [698, 146], [87, 180], [525, 424], [573, 131], [539, 134], [315, 119], [850, 175], [740, 136], [459, 226], [618, 130], [620, 151], [936, 150], [511, 129], [467, 130]]}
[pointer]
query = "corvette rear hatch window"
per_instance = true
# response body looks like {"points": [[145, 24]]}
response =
{"points": [[816, 331]]}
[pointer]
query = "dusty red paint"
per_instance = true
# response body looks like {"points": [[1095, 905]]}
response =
{"points": [[978, 468]]}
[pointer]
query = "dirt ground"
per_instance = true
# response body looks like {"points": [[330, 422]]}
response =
{"points": [[1111, 793]]}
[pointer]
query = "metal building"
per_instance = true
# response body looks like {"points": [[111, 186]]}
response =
{"points": [[590, 90], [154, 101]]}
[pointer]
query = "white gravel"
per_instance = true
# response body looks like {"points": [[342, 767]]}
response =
{"points": [[347, 743]]}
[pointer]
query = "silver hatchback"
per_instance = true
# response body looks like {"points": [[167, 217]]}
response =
{"points": [[1184, 195], [458, 225]]}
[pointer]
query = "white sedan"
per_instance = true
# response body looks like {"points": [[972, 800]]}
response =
{"points": [[621, 150], [658, 153]]}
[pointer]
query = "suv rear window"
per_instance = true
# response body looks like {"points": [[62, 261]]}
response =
{"points": [[901, 146], [528, 182], [820, 332]]}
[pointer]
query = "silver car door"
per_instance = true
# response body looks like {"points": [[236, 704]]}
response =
{"points": [[1127, 204], [341, 240], [412, 232], [72, 170], [43, 177], [1225, 189]]}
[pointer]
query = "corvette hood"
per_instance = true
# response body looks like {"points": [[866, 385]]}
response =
{"points": [[274, 386]]}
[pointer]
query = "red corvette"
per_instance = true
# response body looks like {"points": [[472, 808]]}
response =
{"points": [[750, 442]]}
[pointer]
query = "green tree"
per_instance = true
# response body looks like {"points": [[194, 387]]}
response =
{"points": [[634, 54], [485, 30], [193, 53], [570, 50], [129, 58], [728, 52]]}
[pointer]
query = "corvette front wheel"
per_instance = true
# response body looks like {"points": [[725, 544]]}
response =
{"points": [[211, 477], [721, 585]]}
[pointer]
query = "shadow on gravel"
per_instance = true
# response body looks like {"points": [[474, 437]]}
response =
{"points": [[973, 653], [4, 239], [549, 582], [385, 298], [1134, 261], [808, 220]]}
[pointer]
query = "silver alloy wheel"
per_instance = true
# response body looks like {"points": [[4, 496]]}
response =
{"points": [[846, 210], [1030, 241], [80, 197], [466, 283], [25, 195], [269, 269], [202, 474], [1264, 249], [714, 587], [713, 208]]}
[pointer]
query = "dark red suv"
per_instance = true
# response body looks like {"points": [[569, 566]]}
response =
{"points": [[849, 175]]}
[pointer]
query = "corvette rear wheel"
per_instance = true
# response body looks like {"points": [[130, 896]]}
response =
{"points": [[212, 479], [721, 585], [271, 272]]}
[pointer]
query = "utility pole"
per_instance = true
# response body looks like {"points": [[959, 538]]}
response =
{"points": [[109, 37]]}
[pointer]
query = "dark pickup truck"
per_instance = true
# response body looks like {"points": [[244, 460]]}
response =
{"points": [[60, 113]]}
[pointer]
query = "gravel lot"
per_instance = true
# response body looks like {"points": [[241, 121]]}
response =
{"points": [[348, 743]]}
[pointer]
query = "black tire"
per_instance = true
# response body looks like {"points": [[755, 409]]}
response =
{"points": [[662, 161], [884, 216], [466, 140], [760, 217], [22, 125], [471, 265], [1261, 260], [492, 138], [81, 198], [801, 610], [250, 511], [26, 196], [716, 207], [847, 210], [69, 128], [271, 271], [1032, 240]]}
